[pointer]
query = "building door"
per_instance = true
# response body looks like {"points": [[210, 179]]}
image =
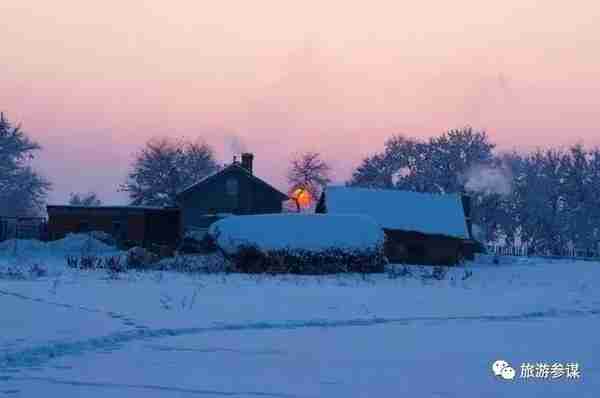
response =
{"points": [[3, 230]]}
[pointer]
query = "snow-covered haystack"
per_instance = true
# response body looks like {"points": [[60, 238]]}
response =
{"points": [[300, 243]]}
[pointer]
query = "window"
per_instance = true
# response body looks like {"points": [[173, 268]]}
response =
{"points": [[231, 187]]}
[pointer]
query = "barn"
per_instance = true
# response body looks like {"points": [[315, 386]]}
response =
{"points": [[130, 225], [420, 228], [233, 190]]}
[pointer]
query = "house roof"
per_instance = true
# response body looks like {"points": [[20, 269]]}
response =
{"points": [[229, 167], [401, 210]]}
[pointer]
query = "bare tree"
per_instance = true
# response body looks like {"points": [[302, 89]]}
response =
{"points": [[308, 173], [22, 190], [166, 166], [85, 199]]}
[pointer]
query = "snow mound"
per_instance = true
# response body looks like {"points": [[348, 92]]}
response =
{"points": [[80, 242], [72, 243], [313, 232]]}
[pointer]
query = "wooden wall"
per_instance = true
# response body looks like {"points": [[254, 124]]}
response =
{"points": [[417, 248], [140, 226]]}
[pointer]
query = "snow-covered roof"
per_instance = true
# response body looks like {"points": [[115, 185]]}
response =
{"points": [[401, 210], [297, 231], [228, 167]]}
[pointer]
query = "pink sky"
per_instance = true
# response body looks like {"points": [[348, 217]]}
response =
{"points": [[92, 81]]}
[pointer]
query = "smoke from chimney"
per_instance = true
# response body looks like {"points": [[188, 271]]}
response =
{"points": [[235, 145]]}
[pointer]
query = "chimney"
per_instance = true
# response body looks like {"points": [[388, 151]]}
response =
{"points": [[247, 159], [466, 203]]}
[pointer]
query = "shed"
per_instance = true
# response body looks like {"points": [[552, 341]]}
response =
{"points": [[139, 225], [420, 228]]}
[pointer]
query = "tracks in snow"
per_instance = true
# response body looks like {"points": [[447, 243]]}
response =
{"points": [[37, 356], [125, 320]]}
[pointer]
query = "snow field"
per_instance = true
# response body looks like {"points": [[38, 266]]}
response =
{"points": [[78, 333]]}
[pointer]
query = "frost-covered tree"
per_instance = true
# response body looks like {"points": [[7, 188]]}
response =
{"points": [[538, 198], [438, 165], [164, 167], [308, 172], [580, 183], [84, 199], [23, 191]]}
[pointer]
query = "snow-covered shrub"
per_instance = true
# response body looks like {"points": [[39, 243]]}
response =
{"points": [[126, 244], [38, 270], [301, 243], [115, 264], [138, 257], [438, 273], [195, 242], [84, 262], [467, 275], [250, 259], [395, 271], [208, 263], [23, 272], [89, 262], [162, 251]]}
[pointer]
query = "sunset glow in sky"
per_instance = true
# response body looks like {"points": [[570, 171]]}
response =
{"points": [[92, 81]]}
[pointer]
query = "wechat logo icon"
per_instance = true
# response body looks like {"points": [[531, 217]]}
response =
{"points": [[503, 370]]}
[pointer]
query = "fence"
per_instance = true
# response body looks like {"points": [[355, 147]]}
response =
{"points": [[521, 251], [524, 251], [22, 228]]}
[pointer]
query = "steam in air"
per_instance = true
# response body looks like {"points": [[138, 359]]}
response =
{"points": [[485, 179]]}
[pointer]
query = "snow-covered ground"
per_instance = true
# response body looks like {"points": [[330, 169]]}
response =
{"points": [[164, 334]]}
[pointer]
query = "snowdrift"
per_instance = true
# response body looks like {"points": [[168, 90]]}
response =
{"points": [[297, 243], [72, 243], [22, 258]]}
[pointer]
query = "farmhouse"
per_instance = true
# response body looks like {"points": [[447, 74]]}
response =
{"points": [[420, 228], [233, 189]]}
